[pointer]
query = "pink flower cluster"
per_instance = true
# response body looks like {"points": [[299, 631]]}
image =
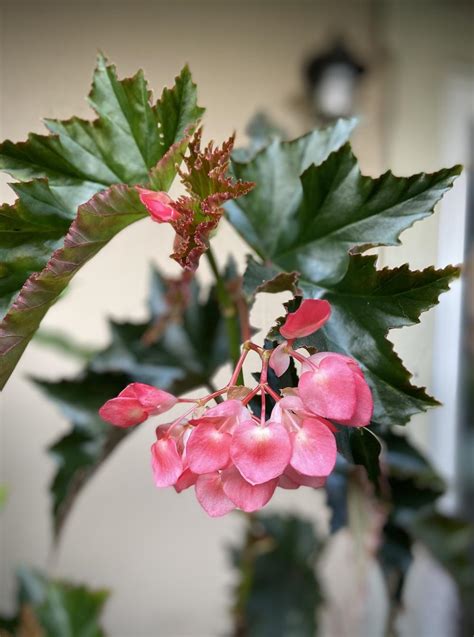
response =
{"points": [[237, 460]]}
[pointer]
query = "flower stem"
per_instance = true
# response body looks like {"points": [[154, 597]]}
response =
{"points": [[230, 313]]}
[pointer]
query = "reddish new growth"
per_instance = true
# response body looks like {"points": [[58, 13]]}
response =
{"points": [[235, 459], [196, 216]]}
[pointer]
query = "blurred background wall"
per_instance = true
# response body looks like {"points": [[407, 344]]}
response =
{"points": [[164, 560]]}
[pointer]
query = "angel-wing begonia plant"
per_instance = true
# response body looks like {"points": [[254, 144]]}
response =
{"points": [[329, 387]]}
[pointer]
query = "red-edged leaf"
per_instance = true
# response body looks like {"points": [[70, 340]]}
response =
{"points": [[98, 221]]}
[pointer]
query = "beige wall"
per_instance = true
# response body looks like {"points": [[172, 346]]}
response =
{"points": [[165, 560]]}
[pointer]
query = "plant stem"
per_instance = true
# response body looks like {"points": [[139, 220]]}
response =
{"points": [[230, 313]]}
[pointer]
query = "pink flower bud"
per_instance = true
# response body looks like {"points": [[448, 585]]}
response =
{"points": [[135, 404], [158, 205]]}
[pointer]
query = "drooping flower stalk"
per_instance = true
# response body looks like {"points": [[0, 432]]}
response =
{"points": [[235, 459]]}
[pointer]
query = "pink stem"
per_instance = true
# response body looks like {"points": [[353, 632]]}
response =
{"points": [[263, 382], [179, 419], [238, 367], [296, 355], [272, 393], [250, 395]]}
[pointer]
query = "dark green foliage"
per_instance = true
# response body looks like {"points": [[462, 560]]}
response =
{"points": [[55, 608], [278, 593], [132, 141], [184, 353]]}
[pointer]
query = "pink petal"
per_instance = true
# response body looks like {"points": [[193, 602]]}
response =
{"points": [[227, 408], [364, 404], [305, 481], [123, 412], [225, 416], [315, 359], [211, 496], [260, 453], [285, 482], [329, 390], [280, 359], [308, 318], [314, 449], [158, 205], [246, 496], [185, 480], [294, 403], [166, 462], [155, 401], [208, 449]]}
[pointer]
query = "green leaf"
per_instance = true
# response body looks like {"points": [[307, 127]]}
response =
{"points": [[61, 608], [315, 230], [97, 222], [366, 304], [187, 353], [131, 141], [278, 593], [182, 356], [127, 139], [30, 230], [334, 210], [53, 608], [268, 211], [359, 445], [90, 441]]}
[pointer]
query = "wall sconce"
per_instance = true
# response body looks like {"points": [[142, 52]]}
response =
{"points": [[332, 78]]}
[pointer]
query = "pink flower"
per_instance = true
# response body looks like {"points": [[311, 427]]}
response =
{"points": [[158, 205], [236, 460], [211, 496], [208, 449], [309, 317], [293, 479], [259, 452], [166, 462], [186, 479], [135, 404], [247, 497], [280, 359], [333, 386], [314, 449], [328, 390]]}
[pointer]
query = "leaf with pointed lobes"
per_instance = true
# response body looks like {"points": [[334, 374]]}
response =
{"points": [[334, 212], [365, 305], [97, 222], [129, 137], [269, 211], [79, 159]]}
